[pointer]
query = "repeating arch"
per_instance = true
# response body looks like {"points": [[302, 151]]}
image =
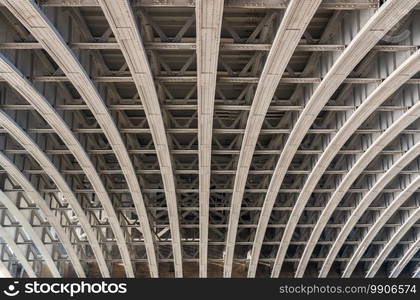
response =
{"points": [[121, 19], [18, 252], [408, 69], [405, 259], [376, 227], [297, 16], [377, 26], [208, 28], [30, 15], [30, 190], [393, 241], [30, 232], [351, 176], [24, 87], [274, 141]]}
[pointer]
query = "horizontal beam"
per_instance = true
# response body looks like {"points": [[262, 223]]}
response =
{"points": [[221, 190], [214, 172], [17, 251], [221, 80], [243, 4], [221, 208], [217, 107], [195, 151], [215, 131], [218, 260], [31, 233], [189, 242], [224, 47], [224, 226]]}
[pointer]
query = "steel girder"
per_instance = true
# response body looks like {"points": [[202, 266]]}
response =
{"points": [[368, 37], [365, 202], [379, 223], [29, 230], [295, 20], [17, 251], [16, 80], [208, 27], [19, 135], [171, 51], [405, 259], [408, 69], [13, 170], [31, 16]]}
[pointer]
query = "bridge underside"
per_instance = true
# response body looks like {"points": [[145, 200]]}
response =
{"points": [[185, 151]]}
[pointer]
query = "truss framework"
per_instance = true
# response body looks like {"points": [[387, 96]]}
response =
{"points": [[209, 138]]}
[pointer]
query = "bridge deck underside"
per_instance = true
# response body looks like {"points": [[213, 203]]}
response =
{"points": [[168, 33]]}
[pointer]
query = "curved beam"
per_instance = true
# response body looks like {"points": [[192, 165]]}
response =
{"points": [[30, 15], [346, 183], [31, 233], [17, 81], [123, 24], [377, 26], [4, 271], [36, 198], [416, 273], [379, 223], [395, 80], [209, 15], [295, 20], [18, 252], [405, 259], [393, 241]]}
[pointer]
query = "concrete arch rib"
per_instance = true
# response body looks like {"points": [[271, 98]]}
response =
{"points": [[123, 24], [36, 198], [209, 16], [393, 241], [30, 15], [367, 199], [30, 232], [396, 79], [297, 16], [17, 252], [377, 226], [24, 87], [405, 259], [383, 20]]}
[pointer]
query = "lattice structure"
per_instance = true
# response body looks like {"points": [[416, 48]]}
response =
{"points": [[209, 138]]}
